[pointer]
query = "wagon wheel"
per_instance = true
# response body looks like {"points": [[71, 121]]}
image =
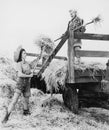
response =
{"points": [[70, 98]]}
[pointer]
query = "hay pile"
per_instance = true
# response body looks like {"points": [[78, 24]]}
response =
{"points": [[7, 77], [7, 67], [55, 74]]}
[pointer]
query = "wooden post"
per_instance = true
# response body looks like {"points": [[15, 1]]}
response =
{"points": [[70, 96], [71, 75]]}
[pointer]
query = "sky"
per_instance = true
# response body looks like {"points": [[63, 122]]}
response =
{"points": [[21, 21]]}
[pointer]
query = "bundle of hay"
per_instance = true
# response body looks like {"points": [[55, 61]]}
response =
{"points": [[55, 74], [46, 44]]}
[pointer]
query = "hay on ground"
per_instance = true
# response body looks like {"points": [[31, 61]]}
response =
{"points": [[51, 101]]}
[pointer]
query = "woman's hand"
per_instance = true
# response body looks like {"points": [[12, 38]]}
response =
{"points": [[32, 70], [31, 75]]}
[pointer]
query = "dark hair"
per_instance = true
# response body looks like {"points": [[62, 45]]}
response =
{"points": [[20, 55]]}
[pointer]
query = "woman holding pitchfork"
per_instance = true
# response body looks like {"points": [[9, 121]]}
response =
{"points": [[24, 74]]}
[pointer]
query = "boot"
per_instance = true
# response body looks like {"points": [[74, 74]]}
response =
{"points": [[6, 117], [26, 112]]}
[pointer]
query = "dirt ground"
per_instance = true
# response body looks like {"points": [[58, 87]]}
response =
{"points": [[49, 113]]}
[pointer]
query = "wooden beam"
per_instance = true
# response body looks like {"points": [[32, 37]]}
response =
{"points": [[89, 36], [58, 47], [56, 57], [83, 53]]}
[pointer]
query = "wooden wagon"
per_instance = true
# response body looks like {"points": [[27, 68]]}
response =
{"points": [[82, 89]]}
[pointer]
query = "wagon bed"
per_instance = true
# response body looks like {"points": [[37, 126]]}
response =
{"points": [[81, 80]]}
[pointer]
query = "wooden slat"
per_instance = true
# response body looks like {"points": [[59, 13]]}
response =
{"points": [[83, 53], [56, 57], [58, 47], [90, 36], [32, 54]]}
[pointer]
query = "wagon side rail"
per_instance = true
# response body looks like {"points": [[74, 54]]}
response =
{"points": [[89, 36]]}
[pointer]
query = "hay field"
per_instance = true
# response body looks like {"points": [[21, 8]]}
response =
{"points": [[47, 113], [51, 114]]}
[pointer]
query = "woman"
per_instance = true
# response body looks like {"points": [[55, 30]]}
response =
{"points": [[23, 83], [76, 24]]}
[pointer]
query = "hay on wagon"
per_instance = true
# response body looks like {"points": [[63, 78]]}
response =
{"points": [[55, 74]]}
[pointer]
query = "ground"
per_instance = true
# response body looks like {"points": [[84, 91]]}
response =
{"points": [[51, 114]]}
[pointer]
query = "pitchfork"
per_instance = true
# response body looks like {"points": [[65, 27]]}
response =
{"points": [[95, 20]]}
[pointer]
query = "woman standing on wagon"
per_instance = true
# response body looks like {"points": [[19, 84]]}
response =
{"points": [[23, 83]]}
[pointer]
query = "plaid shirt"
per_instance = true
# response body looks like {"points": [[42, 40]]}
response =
{"points": [[74, 23]]}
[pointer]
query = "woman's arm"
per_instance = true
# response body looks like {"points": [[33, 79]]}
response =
{"points": [[19, 71]]}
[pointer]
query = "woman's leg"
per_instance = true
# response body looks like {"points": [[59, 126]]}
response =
{"points": [[26, 103], [14, 101], [26, 106], [26, 94], [11, 107]]}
